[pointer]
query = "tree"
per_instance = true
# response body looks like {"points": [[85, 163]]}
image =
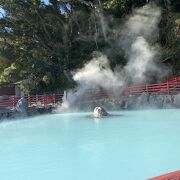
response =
{"points": [[37, 37], [45, 43]]}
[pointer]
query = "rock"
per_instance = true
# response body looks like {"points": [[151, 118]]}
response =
{"points": [[99, 112]]}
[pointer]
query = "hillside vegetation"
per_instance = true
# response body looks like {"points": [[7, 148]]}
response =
{"points": [[44, 43]]}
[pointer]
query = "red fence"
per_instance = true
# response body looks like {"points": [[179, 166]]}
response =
{"points": [[170, 87], [169, 176], [11, 101]]}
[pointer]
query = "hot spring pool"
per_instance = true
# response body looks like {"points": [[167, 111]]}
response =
{"points": [[131, 145]]}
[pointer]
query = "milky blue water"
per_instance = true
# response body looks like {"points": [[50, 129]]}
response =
{"points": [[130, 145]]}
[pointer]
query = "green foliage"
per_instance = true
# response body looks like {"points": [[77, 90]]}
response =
{"points": [[118, 7], [171, 39], [37, 38], [42, 45], [121, 7], [170, 34]]}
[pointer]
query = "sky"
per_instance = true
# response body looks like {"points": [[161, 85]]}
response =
{"points": [[45, 2], [1, 12]]}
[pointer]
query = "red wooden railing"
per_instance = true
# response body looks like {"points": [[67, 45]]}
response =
{"points": [[170, 87], [11, 101], [170, 176]]}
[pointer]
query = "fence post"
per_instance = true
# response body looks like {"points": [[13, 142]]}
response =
{"points": [[13, 101], [54, 98], [45, 99], [36, 99], [176, 80], [29, 101], [65, 95], [147, 88], [168, 87], [129, 93]]}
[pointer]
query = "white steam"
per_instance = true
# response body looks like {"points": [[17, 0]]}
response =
{"points": [[94, 75], [97, 73], [138, 38], [140, 34], [144, 22], [141, 60]]}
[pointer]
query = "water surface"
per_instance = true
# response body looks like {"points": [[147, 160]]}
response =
{"points": [[131, 145]]}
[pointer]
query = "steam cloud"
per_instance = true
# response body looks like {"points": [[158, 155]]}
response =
{"points": [[138, 40], [97, 73], [140, 34]]}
